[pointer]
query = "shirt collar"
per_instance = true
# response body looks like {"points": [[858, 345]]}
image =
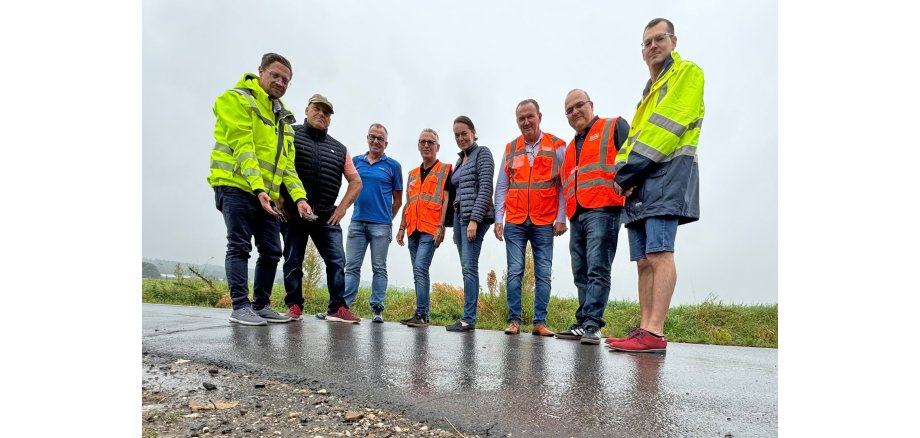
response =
{"points": [[668, 62]]}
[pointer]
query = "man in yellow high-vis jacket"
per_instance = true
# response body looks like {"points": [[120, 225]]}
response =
{"points": [[659, 172], [253, 154]]}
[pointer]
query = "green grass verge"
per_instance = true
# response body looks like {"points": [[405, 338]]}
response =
{"points": [[708, 323]]}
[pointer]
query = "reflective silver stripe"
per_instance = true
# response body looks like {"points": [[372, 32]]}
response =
{"points": [[295, 185], [517, 185], [667, 124], [658, 157], [251, 172], [664, 90], [246, 156], [543, 185], [686, 150], [270, 186], [267, 167], [698, 123], [223, 148], [596, 166], [221, 165], [648, 152], [594, 182], [605, 142], [252, 103]]}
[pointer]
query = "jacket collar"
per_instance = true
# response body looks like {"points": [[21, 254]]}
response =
{"points": [[316, 134], [468, 150]]}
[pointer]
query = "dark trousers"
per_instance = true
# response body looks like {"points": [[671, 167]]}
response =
{"points": [[328, 241], [592, 244], [245, 218]]}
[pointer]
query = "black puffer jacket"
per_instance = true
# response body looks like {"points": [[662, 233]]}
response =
{"points": [[475, 187], [320, 161]]}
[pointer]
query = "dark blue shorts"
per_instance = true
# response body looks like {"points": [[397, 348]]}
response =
{"points": [[654, 234]]}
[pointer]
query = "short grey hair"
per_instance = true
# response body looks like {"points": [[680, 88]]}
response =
{"points": [[433, 132], [377, 125]]}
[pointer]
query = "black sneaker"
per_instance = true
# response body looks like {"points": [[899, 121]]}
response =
{"points": [[461, 326], [573, 333], [406, 321], [591, 335], [417, 321]]}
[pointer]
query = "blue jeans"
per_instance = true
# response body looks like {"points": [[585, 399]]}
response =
{"points": [[469, 261], [593, 244], [360, 234], [654, 234], [328, 241], [541, 240], [245, 218], [421, 251]]}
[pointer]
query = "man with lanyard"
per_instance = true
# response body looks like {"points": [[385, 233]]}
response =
{"points": [[253, 153], [423, 219], [529, 199], [593, 209], [372, 220], [658, 166]]}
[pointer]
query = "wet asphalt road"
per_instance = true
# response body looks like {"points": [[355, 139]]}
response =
{"points": [[489, 383]]}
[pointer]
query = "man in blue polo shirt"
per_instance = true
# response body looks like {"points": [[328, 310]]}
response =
{"points": [[372, 219]]}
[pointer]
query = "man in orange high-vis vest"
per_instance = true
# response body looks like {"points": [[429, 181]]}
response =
{"points": [[593, 208], [528, 197], [423, 219]]}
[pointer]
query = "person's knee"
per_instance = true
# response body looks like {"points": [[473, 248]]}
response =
{"points": [[660, 258]]}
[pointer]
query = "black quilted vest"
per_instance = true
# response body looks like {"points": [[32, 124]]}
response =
{"points": [[320, 160]]}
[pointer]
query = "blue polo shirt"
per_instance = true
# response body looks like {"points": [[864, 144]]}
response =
{"points": [[379, 180]]}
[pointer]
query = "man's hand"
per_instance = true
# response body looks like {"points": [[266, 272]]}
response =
{"points": [[500, 231], [400, 236], [559, 228], [337, 215], [281, 209], [439, 236], [303, 208], [267, 204], [619, 190], [471, 230]]}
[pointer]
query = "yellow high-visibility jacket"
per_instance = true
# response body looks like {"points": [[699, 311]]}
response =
{"points": [[254, 145], [660, 155]]}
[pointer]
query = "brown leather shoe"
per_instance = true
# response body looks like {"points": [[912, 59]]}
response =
{"points": [[513, 329], [541, 330]]}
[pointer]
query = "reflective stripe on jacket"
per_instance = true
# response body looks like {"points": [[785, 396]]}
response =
{"points": [[252, 150], [424, 198], [660, 155], [533, 190], [589, 182]]}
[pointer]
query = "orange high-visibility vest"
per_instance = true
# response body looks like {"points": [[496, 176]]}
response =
{"points": [[423, 207], [589, 183], [533, 190]]}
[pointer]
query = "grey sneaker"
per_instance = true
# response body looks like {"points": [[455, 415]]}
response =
{"points": [[246, 316], [377, 315], [270, 315], [321, 315], [591, 335]]}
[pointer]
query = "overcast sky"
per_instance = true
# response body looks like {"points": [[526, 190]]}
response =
{"points": [[411, 65]]}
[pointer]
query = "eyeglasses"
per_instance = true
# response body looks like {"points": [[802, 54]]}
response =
{"points": [[372, 137], [577, 106], [275, 76], [427, 142], [657, 38]]}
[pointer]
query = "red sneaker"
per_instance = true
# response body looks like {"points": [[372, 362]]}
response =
{"points": [[631, 333], [642, 342], [343, 315], [294, 312]]}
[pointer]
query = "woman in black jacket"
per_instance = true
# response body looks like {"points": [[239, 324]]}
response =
{"points": [[471, 188]]}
